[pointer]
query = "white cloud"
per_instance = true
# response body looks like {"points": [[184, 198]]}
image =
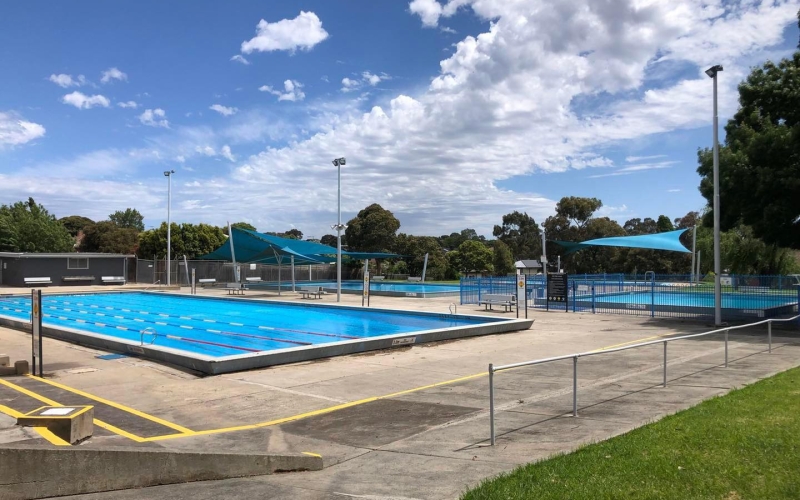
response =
{"points": [[366, 78], [113, 74], [634, 159], [154, 118], [128, 104], [240, 59], [445, 29], [673, 190], [66, 81], [292, 91], [349, 84], [83, 101], [429, 11], [223, 110], [15, 131], [303, 32], [206, 150], [226, 152]]}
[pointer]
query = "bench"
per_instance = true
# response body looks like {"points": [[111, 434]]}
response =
{"points": [[77, 278], [253, 279], [38, 281], [311, 292], [207, 282], [108, 280], [493, 299], [414, 278], [378, 278], [235, 288]]}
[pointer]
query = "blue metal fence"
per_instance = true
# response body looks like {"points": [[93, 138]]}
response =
{"points": [[663, 296]]}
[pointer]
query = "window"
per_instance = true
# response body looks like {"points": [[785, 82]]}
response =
{"points": [[77, 263]]}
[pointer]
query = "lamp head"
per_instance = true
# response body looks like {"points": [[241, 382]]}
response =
{"points": [[167, 173], [339, 162], [713, 70], [335, 163]]}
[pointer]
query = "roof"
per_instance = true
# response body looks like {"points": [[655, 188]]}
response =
{"points": [[251, 246], [669, 241], [63, 255], [527, 264]]}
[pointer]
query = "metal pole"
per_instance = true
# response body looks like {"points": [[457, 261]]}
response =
{"points": [[697, 274], [293, 283], [544, 253], [664, 382], [694, 253], [424, 267], [169, 225], [575, 386], [769, 335], [726, 348], [339, 234], [717, 263], [233, 254], [491, 403]]}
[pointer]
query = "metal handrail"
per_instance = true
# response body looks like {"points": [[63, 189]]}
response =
{"points": [[493, 369], [148, 331]]}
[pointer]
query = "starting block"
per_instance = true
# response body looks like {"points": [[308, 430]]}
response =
{"points": [[73, 424]]}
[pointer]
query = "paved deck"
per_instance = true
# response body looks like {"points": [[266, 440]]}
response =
{"points": [[404, 423]]}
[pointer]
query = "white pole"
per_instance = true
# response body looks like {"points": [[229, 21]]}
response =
{"points": [[544, 253], [169, 224], [717, 263], [694, 253], [339, 234], [233, 254], [292, 259]]}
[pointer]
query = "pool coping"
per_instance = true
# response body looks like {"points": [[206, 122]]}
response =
{"points": [[248, 361]]}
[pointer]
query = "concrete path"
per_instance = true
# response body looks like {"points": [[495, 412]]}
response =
{"points": [[411, 422]]}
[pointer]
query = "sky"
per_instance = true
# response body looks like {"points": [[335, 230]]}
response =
{"points": [[449, 113]]}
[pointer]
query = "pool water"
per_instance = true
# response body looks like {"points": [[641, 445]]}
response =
{"points": [[222, 327], [697, 299], [380, 286]]}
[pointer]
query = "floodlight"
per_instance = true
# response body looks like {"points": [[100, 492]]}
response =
{"points": [[713, 70]]}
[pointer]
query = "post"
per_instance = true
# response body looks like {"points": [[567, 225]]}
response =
{"points": [[697, 274], [694, 253], [544, 253], [339, 233], [593, 311], [575, 386], [233, 254], [559, 263], [717, 263], [726, 348], [194, 283], [36, 331], [186, 269], [169, 224], [653, 297], [292, 260], [664, 382], [491, 403], [425, 267], [769, 335]]}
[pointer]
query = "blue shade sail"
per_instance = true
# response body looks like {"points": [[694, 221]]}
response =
{"points": [[669, 241]]}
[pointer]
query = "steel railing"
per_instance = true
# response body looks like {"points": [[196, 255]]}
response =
{"points": [[494, 369]]}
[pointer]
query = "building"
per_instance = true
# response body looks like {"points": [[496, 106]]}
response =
{"points": [[528, 266], [64, 269]]}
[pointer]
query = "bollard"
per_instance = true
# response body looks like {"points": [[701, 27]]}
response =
{"points": [[491, 403], [726, 348], [664, 382], [769, 335], [575, 386]]}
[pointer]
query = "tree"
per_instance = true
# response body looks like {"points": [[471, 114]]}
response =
{"points": [[522, 235], [130, 218], [577, 209], [574, 221], [413, 250], [75, 223], [192, 240], [759, 171], [292, 234], [239, 225], [27, 226], [329, 239], [372, 230], [637, 226], [503, 261], [664, 224], [691, 219], [108, 237], [472, 256]]}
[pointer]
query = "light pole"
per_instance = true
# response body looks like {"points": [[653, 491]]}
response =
{"points": [[339, 163], [168, 174], [712, 73]]}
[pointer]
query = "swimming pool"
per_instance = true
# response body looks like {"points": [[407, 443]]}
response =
{"points": [[216, 335], [386, 288]]}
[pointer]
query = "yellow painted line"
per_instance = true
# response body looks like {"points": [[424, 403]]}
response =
{"points": [[48, 435], [311, 454], [99, 423], [654, 337], [43, 431], [118, 406]]}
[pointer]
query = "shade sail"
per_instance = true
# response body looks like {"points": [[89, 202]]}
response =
{"points": [[254, 247], [669, 241]]}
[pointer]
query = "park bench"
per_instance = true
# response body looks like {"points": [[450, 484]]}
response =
{"points": [[414, 278], [38, 281], [207, 282], [110, 280], [378, 278], [311, 292], [253, 279], [77, 278], [235, 288], [494, 299]]}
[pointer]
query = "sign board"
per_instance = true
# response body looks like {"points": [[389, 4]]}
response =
{"points": [[366, 284], [556, 287], [403, 341], [725, 280], [36, 321]]}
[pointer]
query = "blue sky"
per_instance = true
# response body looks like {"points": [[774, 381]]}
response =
{"points": [[450, 114]]}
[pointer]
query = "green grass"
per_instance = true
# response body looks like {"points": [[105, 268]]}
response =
{"points": [[745, 445]]}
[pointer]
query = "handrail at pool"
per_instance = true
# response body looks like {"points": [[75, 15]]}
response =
{"points": [[493, 369]]}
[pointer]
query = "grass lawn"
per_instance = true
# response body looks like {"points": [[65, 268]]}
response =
{"points": [[745, 445]]}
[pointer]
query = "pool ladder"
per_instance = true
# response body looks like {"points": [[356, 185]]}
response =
{"points": [[453, 308], [148, 331]]}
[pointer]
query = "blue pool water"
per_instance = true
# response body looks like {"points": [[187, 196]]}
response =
{"points": [[220, 327], [379, 286], [732, 301]]}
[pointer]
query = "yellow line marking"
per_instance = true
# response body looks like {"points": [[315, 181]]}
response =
{"points": [[311, 454], [118, 406], [11, 412], [633, 342], [48, 435], [99, 423]]}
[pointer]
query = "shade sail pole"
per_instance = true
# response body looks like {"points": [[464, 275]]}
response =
{"points": [[292, 259], [236, 277]]}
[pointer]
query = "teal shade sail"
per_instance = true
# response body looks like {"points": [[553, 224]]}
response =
{"points": [[669, 241]]}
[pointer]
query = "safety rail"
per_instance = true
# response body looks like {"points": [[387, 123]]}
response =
{"points": [[494, 369]]}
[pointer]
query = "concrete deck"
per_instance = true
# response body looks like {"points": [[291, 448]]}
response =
{"points": [[402, 423]]}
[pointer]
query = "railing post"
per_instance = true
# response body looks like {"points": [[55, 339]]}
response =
{"points": [[653, 297], [593, 310], [491, 403], [726, 348], [664, 382], [575, 386], [769, 335]]}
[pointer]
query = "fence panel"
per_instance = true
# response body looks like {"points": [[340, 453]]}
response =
{"points": [[149, 272]]}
